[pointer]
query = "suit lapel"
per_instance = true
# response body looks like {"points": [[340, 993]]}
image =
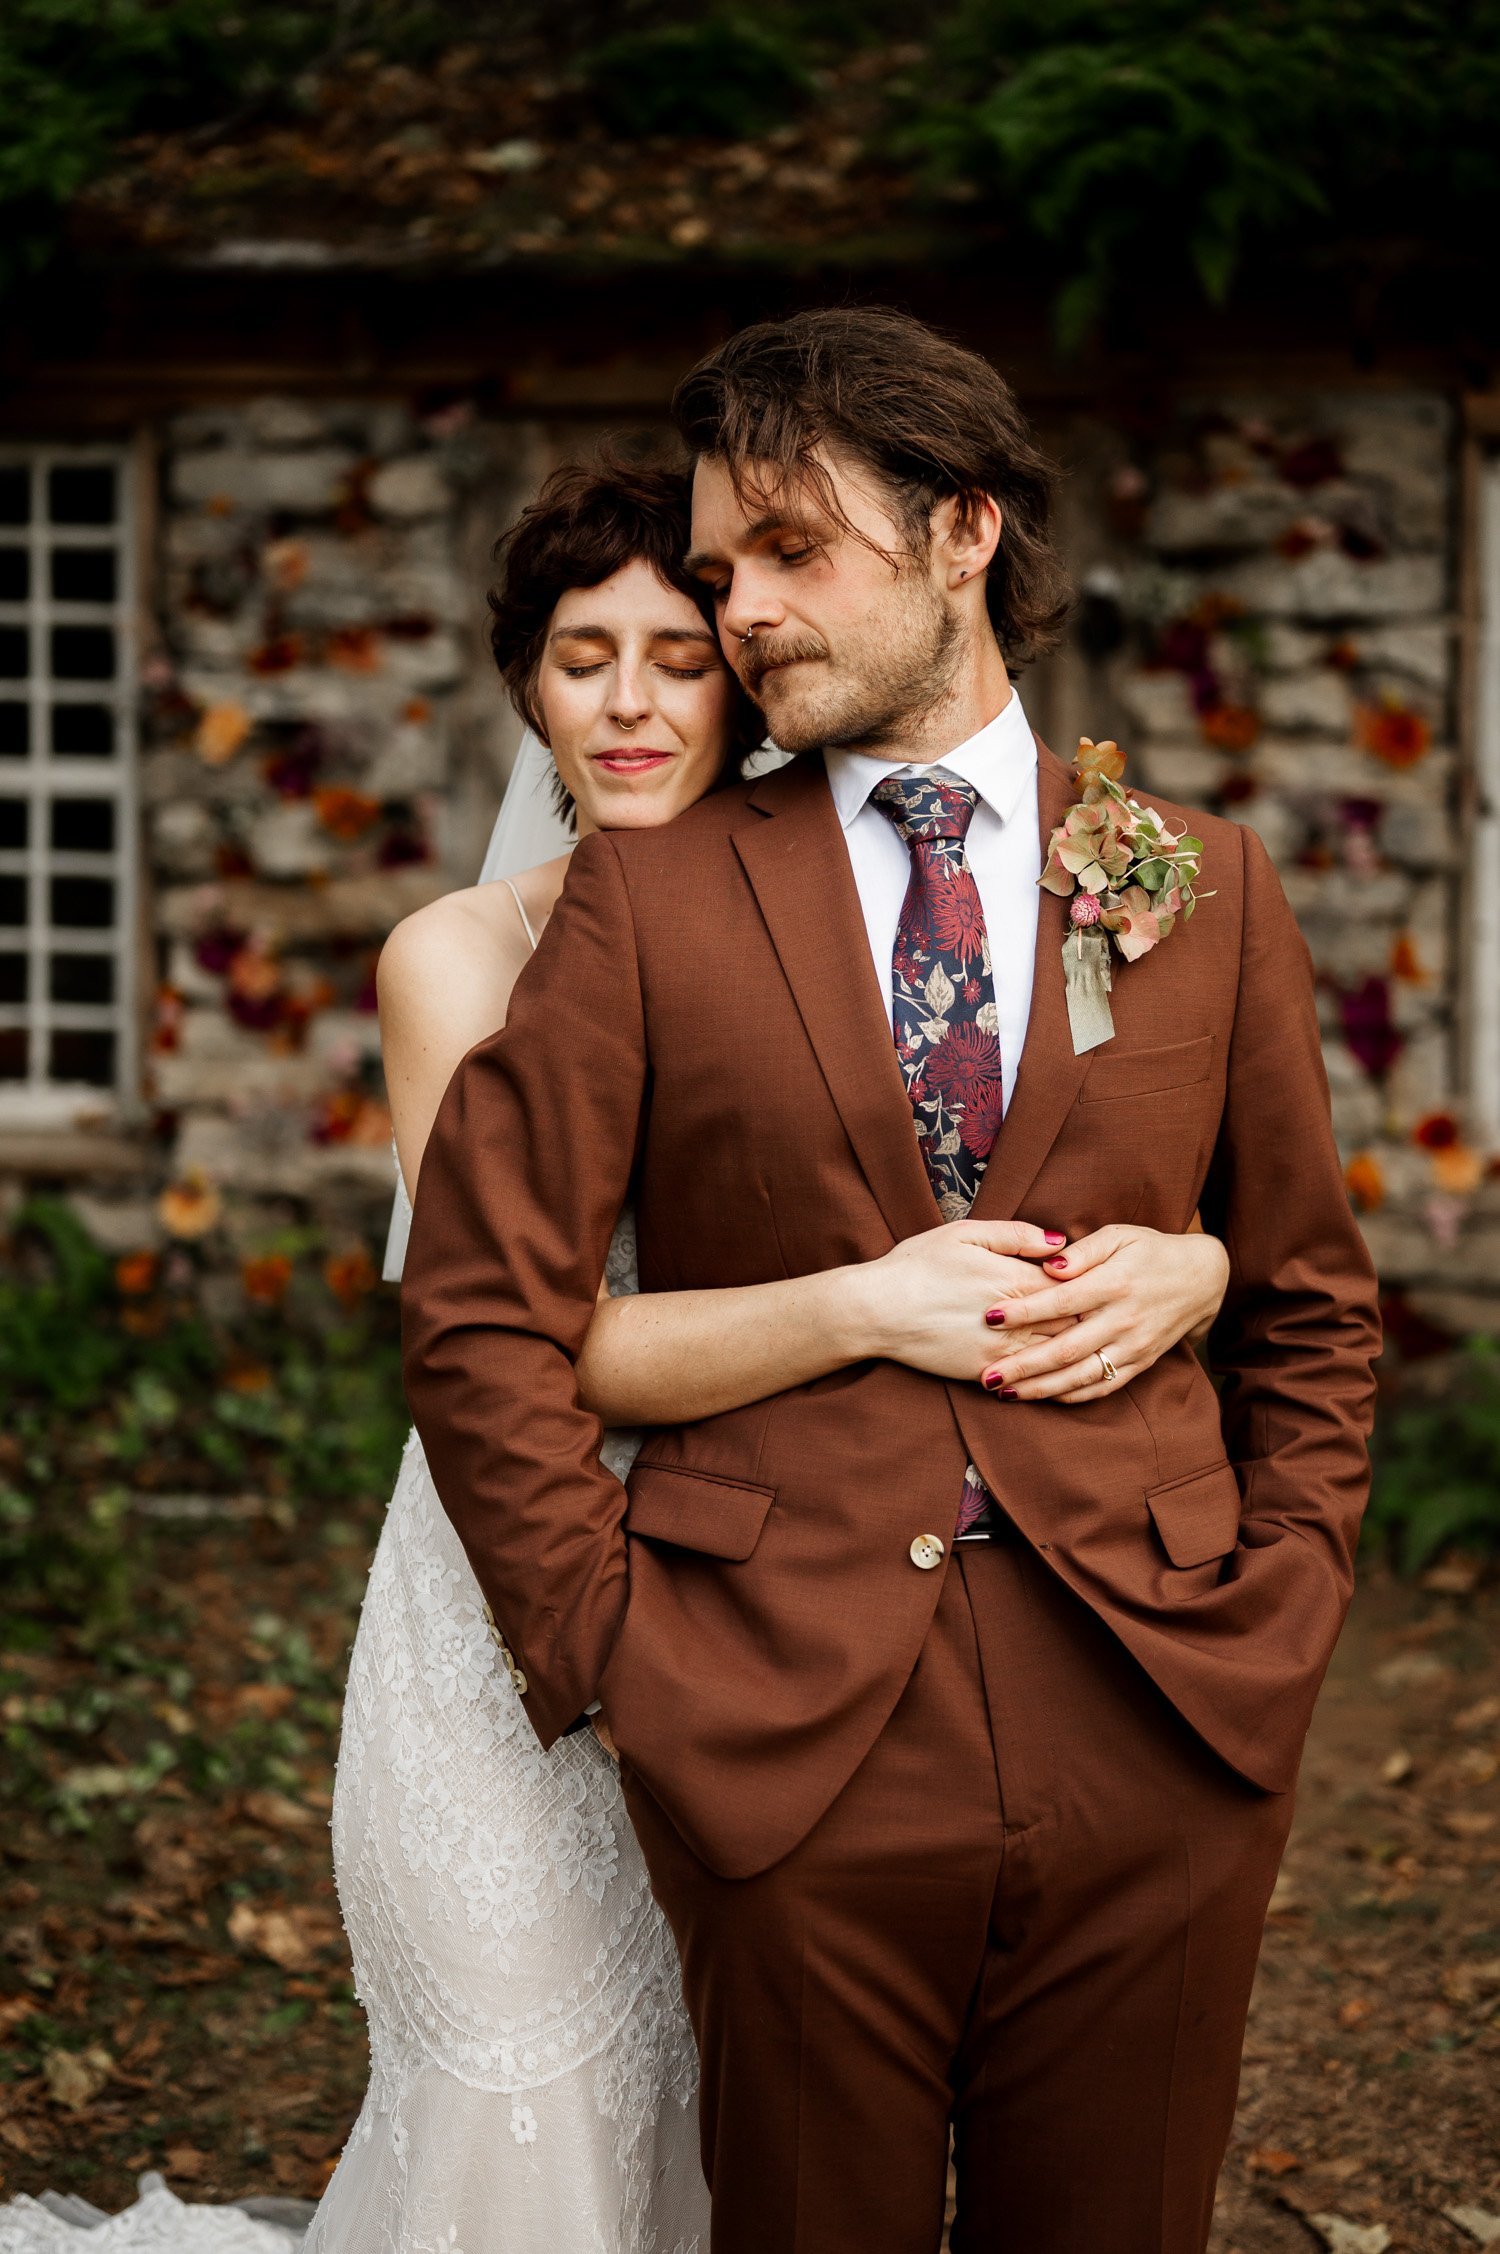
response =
{"points": [[794, 854], [1050, 1076]]}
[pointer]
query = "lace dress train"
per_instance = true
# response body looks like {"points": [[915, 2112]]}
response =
{"points": [[532, 2073]]}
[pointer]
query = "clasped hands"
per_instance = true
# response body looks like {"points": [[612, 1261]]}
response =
{"points": [[1032, 1318]]}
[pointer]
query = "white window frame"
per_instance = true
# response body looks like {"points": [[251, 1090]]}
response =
{"points": [[40, 1102]]}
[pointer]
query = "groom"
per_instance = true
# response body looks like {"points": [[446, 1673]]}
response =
{"points": [[960, 1733]]}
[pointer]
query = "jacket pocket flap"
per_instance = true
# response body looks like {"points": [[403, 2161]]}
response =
{"points": [[698, 1510], [1147, 1072], [1198, 1518]]}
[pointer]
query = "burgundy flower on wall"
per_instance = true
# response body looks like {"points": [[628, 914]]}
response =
{"points": [[1368, 1027]]}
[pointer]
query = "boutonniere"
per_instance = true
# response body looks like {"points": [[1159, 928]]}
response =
{"points": [[1130, 879]]}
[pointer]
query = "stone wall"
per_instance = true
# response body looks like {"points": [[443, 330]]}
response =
{"points": [[1268, 616], [1280, 584], [325, 744]]}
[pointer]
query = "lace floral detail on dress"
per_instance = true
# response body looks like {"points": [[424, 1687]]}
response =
{"points": [[532, 2070]]}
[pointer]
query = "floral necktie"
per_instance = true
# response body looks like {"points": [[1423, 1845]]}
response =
{"points": [[943, 1015]]}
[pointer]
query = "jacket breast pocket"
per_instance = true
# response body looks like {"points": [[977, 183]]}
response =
{"points": [[1146, 1072], [1197, 1521], [696, 1510]]}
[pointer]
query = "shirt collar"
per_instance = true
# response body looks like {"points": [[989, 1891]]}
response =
{"points": [[1000, 761]]}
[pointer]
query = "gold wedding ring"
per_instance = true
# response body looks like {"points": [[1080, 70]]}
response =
{"points": [[1108, 1367]]}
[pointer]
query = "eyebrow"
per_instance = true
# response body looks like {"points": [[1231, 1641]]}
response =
{"points": [[657, 634]]}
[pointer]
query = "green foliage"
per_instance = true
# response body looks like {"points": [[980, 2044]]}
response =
{"points": [[1117, 143], [1133, 139], [54, 1347], [77, 76], [107, 1394], [723, 75], [1437, 1465]]}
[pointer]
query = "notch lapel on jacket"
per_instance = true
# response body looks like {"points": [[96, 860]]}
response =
{"points": [[1050, 1076], [793, 852]]}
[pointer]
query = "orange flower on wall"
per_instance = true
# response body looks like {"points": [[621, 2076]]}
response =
{"points": [[345, 813], [1393, 732], [220, 732], [1365, 1182], [355, 648], [350, 1276], [135, 1275], [1459, 1171], [1406, 963], [265, 1280], [1229, 727], [189, 1208]]}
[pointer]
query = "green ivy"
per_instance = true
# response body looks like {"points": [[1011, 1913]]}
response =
{"points": [[1437, 1465], [1133, 141]]}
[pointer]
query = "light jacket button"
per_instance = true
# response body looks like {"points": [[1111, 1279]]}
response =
{"points": [[519, 1679], [927, 1551]]}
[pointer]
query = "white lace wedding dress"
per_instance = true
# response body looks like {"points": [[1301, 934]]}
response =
{"points": [[532, 2074]]}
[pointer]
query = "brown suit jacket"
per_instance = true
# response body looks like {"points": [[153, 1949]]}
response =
{"points": [[702, 1029]]}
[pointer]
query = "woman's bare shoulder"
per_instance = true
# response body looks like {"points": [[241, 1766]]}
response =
{"points": [[472, 937]]}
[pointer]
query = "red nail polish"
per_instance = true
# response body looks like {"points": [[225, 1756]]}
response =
{"points": [[995, 1317], [1058, 1260], [1009, 1393], [1054, 1236], [992, 1382]]}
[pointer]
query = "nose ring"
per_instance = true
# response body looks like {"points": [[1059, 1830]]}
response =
{"points": [[627, 725]]}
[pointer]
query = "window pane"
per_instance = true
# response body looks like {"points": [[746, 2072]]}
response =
{"points": [[82, 903], [82, 575], [83, 653], [82, 495], [15, 653], [15, 495], [83, 825], [12, 900], [82, 978], [82, 731], [14, 824], [15, 730], [15, 575], [82, 1056], [14, 1042], [14, 978]]}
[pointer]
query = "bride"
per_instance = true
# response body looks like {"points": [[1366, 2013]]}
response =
{"points": [[532, 2077]]}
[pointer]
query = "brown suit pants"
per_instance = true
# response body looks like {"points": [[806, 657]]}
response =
{"points": [[1034, 1910]]}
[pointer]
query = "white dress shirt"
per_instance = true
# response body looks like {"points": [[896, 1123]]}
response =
{"points": [[1004, 852]]}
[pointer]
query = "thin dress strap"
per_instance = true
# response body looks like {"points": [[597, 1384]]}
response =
{"points": [[521, 911]]}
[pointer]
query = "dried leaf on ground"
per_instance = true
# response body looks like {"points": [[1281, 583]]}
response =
{"points": [[1477, 2222], [1343, 2237], [75, 2078], [290, 1937]]}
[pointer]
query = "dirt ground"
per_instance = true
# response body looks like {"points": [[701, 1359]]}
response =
{"points": [[174, 1991]]}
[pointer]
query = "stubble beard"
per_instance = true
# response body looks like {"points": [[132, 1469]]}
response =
{"points": [[875, 693]]}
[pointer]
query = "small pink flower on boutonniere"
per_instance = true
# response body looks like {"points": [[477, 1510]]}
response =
{"points": [[1131, 879]]}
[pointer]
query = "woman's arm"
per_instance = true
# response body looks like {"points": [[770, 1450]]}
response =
{"points": [[670, 1357], [938, 1302]]}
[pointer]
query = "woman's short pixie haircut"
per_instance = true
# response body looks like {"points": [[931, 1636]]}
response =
{"points": [[587, 523]]}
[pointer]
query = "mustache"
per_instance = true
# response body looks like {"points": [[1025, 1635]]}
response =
{"points": [[758, 657]]}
